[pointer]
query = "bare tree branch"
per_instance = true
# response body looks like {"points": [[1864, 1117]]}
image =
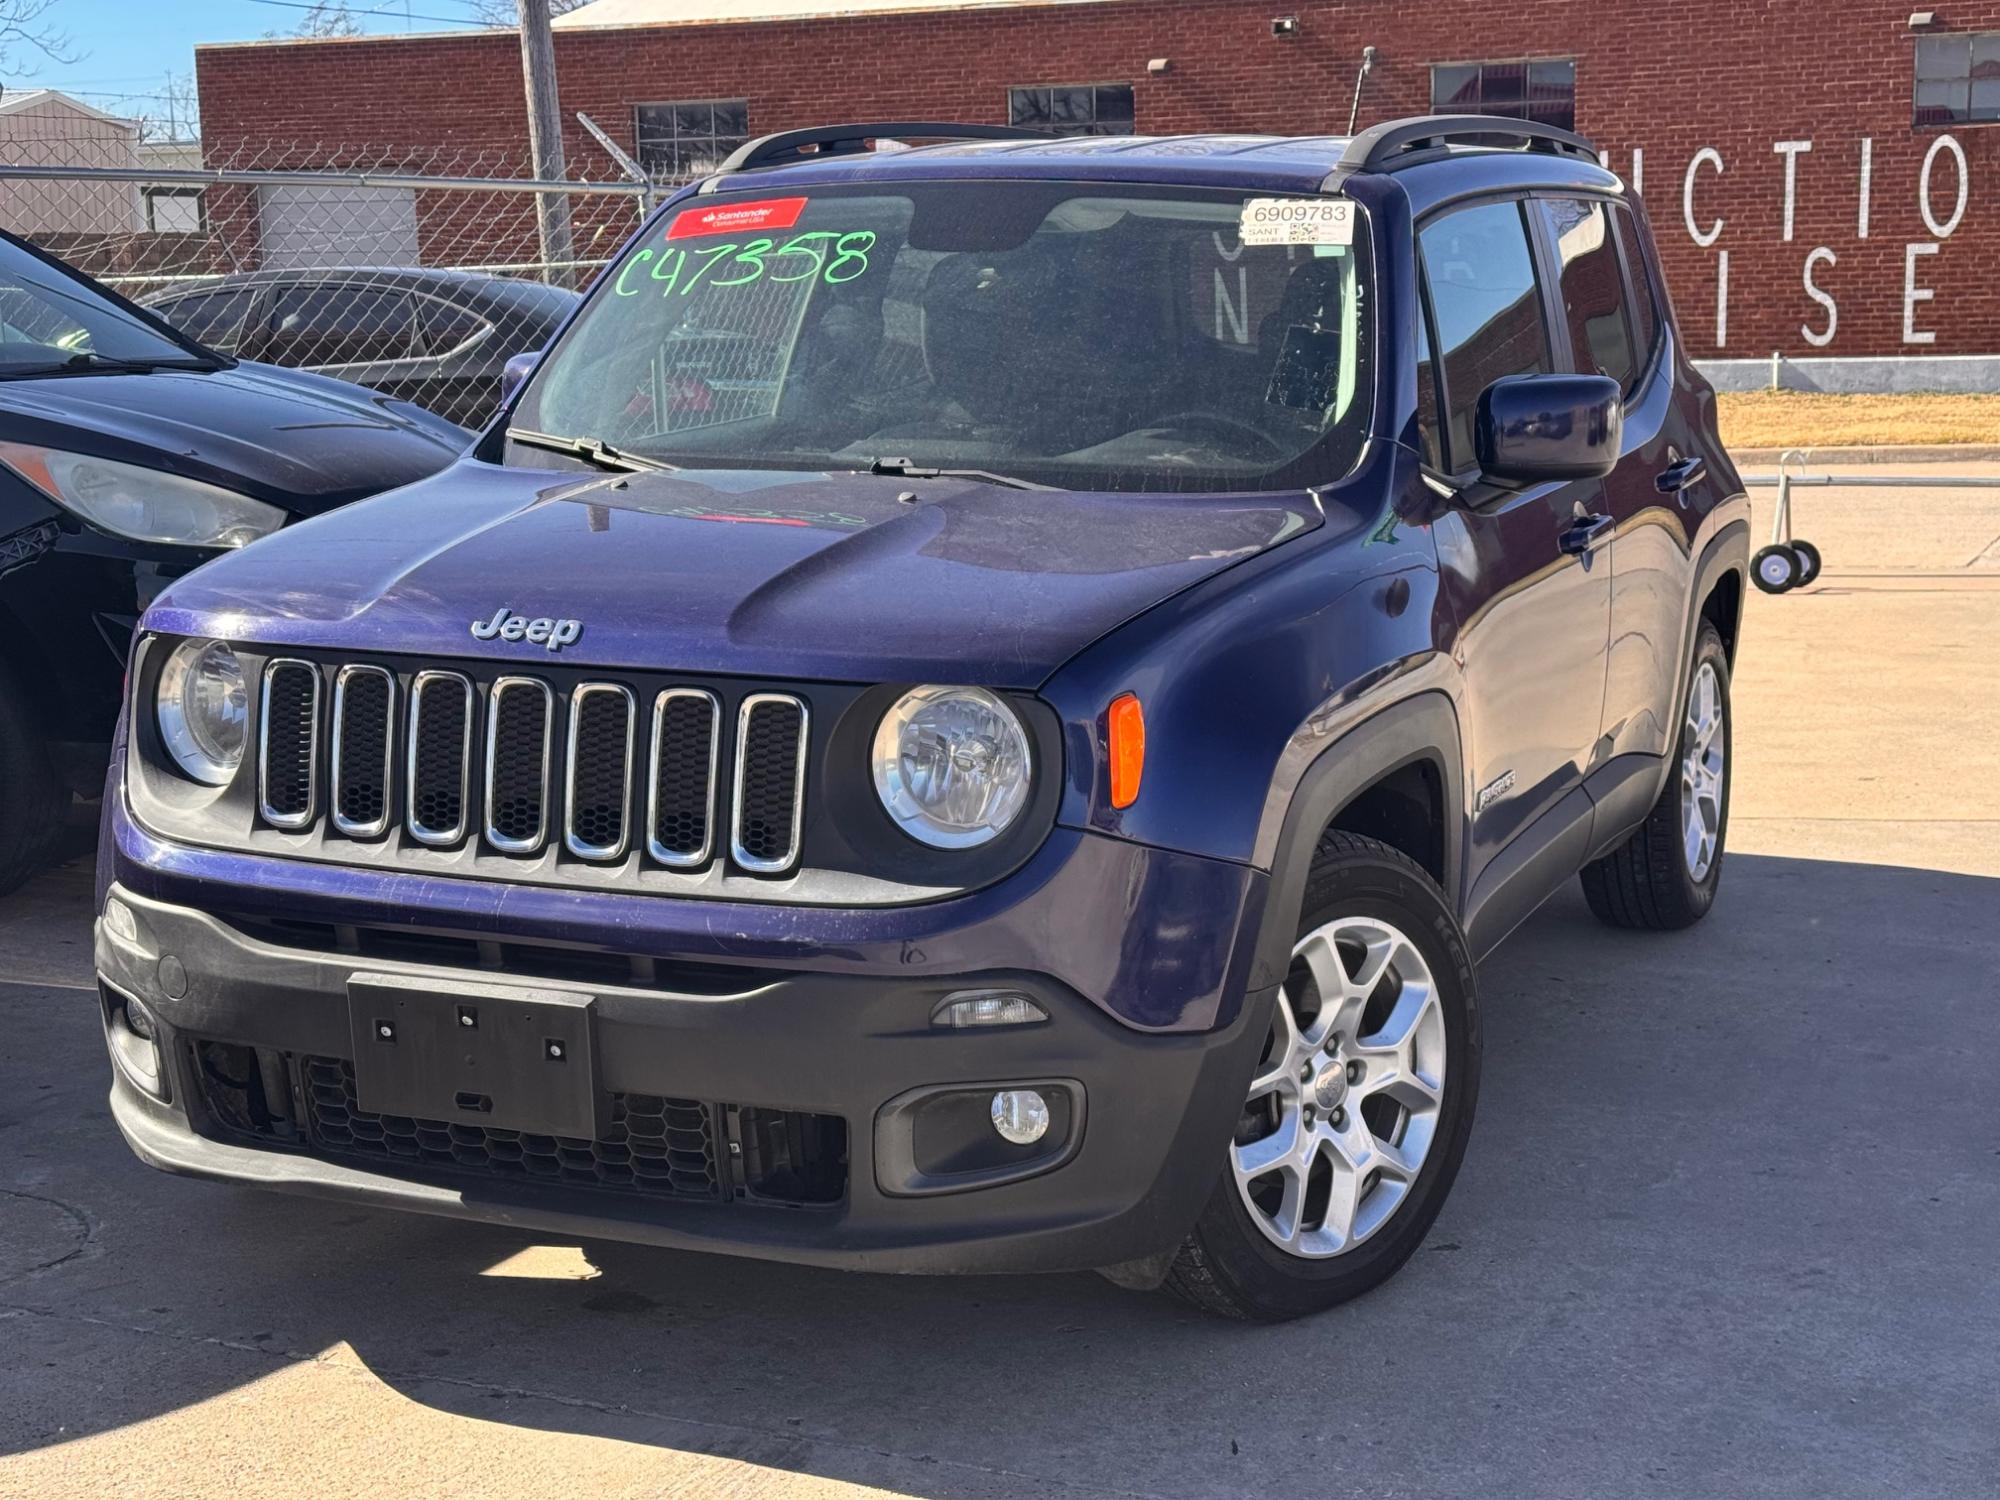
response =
{"points": [[22, 30], [504, 13], [326, 18]]}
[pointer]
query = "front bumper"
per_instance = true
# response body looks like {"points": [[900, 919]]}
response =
{"points": [[1154, 1109]]}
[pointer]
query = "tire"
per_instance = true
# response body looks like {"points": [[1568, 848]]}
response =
{"points": [[33, 801], [1360, 891], [1808, 556], [1775, 569], [1653, 880]]}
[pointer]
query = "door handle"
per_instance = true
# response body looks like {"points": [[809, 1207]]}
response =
{"points": [[1581, 534], [1678, 476]]}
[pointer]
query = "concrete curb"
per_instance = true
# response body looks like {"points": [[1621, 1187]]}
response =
{"points": [[1823, 459]]}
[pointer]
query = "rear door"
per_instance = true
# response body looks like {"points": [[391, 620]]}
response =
{"points": [[1612, 328], [1533, 618]]}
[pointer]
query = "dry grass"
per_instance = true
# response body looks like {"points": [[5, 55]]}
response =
{"points": [[1798, 419]]}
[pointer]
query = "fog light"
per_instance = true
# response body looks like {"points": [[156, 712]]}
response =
{"points": [[120, 922], [987, 1008], [1021, 1116]]}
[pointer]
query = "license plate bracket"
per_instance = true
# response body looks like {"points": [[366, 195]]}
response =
{"points": [[500, 1056]]}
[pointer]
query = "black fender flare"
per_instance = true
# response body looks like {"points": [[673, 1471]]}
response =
{"points": [[1423, 727]]}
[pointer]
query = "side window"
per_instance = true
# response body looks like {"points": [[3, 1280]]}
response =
{"points": [[340, 325], [212, 318], [1640, 297], [1488, 309], [445, 327], [1430, 441], [1593, 291]]}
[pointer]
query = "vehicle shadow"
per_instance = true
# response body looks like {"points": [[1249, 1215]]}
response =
{"points": [[1727, 1222]]}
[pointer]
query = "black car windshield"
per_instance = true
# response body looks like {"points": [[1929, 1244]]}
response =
{"points": [[50, 321], [1073, 335]]}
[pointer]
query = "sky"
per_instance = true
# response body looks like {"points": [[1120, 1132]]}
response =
{"points": [[126, 48]]}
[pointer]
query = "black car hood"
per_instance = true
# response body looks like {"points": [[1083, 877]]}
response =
{"points": [[299, 441]]}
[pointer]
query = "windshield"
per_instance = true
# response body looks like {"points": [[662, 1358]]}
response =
{"points": [[1080, 336], [50, 321]]}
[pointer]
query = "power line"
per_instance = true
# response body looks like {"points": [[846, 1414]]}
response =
{"points": [[393, 9]]}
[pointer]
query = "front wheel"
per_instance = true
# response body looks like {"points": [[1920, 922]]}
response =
{"points": [[1358, 1112]]}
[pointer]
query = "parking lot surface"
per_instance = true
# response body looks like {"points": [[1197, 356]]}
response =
{"points": [[1729, 1224]]}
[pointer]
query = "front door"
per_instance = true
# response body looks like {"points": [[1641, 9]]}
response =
{"points": [[1533, 617]]}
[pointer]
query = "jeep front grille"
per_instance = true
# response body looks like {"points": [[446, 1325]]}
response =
{"points": [[521, 767], [289, 770], [440, 756], [770, 771], [364, 750]]}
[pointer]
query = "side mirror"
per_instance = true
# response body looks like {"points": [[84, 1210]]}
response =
{"points": [[1533, 428], [516, 371]]}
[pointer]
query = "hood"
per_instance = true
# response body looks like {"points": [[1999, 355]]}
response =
{"points": [[824, 576], [299, 441]]}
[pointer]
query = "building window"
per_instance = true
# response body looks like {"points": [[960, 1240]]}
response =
{"points": [[1073, 109], [1958, 79], [175, 210], [1544, 90], [681, 141]]}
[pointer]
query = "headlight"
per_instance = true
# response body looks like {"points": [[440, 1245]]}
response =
{"points": [[204, 710], [147, 505], [952, 765]]}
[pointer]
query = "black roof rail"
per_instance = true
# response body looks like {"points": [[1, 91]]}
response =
{"points": [[1382, 148], [786, 146]]}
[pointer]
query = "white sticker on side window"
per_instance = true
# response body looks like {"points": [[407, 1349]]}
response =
{"points": [[1297, 221]]}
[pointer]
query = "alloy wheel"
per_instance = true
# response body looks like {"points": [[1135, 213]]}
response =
{"points": [[1703, 766], [1344, 1108]]}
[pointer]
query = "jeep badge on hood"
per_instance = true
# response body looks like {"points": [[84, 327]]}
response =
{"points": [[508, 626]]}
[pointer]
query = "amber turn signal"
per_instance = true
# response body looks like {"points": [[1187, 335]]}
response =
{"points": [[1126, 723]]}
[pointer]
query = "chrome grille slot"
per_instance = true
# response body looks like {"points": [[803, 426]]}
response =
{"points": [[769, 793], [288, 744], [440, 756], [364, 735], [520, 730], [598, 771], [680, 786]]}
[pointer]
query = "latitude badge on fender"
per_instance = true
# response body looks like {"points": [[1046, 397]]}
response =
{"points": [[542, 631]]}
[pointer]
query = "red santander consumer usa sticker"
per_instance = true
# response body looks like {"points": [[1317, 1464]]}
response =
{"points": [[736, 218]]}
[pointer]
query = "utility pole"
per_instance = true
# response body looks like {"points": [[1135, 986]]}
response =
{"points": [[538, 67]]}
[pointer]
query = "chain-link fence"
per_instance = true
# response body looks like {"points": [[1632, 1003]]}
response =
{"points": [[413, 271]]}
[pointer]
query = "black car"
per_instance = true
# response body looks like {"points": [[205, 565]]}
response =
{"points": [[438, 338], [128, 454]]}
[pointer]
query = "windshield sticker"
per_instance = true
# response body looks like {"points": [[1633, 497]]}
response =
{"points": [[827, 254], [1297, 221], [736, 218]]}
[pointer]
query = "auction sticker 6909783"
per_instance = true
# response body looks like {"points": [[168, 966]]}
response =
{"points": [[1297, 221]]}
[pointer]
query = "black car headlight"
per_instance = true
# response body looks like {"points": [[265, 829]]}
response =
{"points": [[146, 505], [204, 710], [953, 765]]}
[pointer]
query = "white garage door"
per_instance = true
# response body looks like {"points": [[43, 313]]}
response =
{"points": [[337, 226]]}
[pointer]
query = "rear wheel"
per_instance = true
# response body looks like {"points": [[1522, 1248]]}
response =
{"points": [[1808, 556], [1665, 874], [1357, 1116], [32, 798]]}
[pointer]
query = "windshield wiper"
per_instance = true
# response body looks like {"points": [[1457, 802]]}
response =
{"points": [[904, 469], [591, 450], [85, 362]]}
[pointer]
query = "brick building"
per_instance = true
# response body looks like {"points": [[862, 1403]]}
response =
{"points": [[1823, 175]]}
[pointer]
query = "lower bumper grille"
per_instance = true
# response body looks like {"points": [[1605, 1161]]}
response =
{"points": [[654, 1147]]}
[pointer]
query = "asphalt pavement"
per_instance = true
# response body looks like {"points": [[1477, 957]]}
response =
{"points": [[1729, 1224]]}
